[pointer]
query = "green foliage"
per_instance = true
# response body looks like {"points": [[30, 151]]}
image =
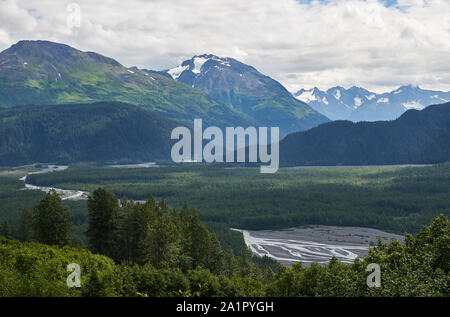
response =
{"points": [[150, 233], [32, 269], [418, 267], [51, 222], [103, 222], [192, 262], [6, 230], [26, 230], [13, 200]]}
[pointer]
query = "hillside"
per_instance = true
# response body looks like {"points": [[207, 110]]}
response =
{"points": [[102, 131], [242, 87], [416, 137], [43, 73]]}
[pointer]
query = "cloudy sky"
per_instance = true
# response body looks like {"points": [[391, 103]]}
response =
{"points": [[376, 44]]}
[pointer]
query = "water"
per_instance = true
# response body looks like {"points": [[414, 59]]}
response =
{"points": [[314, 244], [65, 194], [358, 166], [140, 165]]}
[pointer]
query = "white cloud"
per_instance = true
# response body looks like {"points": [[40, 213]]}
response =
{"points": [[323, 44]]}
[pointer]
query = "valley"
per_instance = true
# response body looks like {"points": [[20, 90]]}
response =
{"points": [[390, 198], [177, 151]]}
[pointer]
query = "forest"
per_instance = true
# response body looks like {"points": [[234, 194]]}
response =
{"points": [[116, 241], [388, 198], [101, 131], [150, 249], [416, 137]]}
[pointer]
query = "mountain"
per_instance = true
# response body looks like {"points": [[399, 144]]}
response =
{"points": [[359, 104], [243, 88], [416, 137], [42, 73], [103, 131], [150, 72], [391, 105]]}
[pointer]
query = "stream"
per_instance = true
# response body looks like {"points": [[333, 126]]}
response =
{"points": [[65, 194]]}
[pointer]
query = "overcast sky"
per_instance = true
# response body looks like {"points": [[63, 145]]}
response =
{"points": [[376, 44]]}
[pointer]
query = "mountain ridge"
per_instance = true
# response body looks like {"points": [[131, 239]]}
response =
{"points": [[44, 72], [242, 87], [359, 104], [416, 137]]}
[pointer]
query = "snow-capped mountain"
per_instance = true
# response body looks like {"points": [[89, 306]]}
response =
{"points": [[192, 69], [359, 104], [242, 88]]}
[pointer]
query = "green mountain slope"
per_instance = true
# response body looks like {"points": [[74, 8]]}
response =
{"points": [[416, 137], [103, 131], [42, 73]]}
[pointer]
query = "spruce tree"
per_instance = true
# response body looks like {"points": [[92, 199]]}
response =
{"points": [[25, 231], [52, 223], [103, 223], [6, 230]]}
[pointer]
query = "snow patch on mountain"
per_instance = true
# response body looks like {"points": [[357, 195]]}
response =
{"points": [[176, 71], [198, 64], [307, 96], [195, 65], [358, 104], [337, 94], [413, 105]]}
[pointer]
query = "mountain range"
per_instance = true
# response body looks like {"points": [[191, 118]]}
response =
{"points": [[43, 73], [59, 104], [243, 88], [359, 104], [416, 137], [222, 92]]}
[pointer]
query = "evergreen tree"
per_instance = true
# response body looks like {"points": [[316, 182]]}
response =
{"points": [[6, 230], [25, 231], [231, 266], [245, 264], [103, 223], [163, 241], [134, 222], [52, 223]]}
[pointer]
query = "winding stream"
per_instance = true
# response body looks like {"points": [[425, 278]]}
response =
{"points": [[65, 194], [70, 194]]}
